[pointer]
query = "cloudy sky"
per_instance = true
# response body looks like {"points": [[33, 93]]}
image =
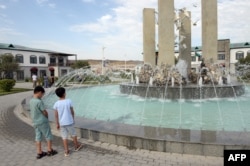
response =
{"points": [[83, 27]]}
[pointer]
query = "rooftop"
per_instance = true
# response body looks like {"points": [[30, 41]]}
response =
{"points": [[23, 48]]}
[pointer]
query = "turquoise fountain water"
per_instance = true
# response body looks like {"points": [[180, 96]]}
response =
{"points": [[107, 103]]}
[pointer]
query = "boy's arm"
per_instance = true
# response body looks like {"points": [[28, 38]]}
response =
{"points": [[57, 120], [72, 113], [42, 109], [45, 113]]}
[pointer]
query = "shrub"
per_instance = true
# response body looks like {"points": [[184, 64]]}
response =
{"points": [[27, 79], [7, 84]]}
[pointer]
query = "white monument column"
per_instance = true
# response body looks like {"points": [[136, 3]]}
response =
{"points": [[166, 37], [209, 30], [149, 36], [185, 38]]}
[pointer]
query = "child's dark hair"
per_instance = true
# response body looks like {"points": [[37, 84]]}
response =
{"points": [[60, 92], [39, 89]]}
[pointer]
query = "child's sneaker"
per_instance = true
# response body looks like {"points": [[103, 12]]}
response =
{"points": [[66, 154], [79, 147]]}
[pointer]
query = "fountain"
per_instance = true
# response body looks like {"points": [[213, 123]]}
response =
{"points": [[210, 78], [167, 108], [203, 126]]}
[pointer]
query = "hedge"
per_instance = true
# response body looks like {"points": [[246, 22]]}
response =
{"points": [[7, 84]]}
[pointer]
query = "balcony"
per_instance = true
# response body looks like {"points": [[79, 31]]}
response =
{"points": [[60, 64]]}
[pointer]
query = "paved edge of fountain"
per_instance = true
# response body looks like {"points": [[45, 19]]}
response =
{"points": [[141, 137], [188, 92]]}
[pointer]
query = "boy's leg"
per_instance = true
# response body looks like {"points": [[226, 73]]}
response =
{"points": [[38, 139], [65, 145], [48, 135], [49, 145], [75, 141], [38, 134], [64, 135], [77, 145], [38, 147]]}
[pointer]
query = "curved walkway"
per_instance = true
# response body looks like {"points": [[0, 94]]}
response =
{"points": [[17, 147]]}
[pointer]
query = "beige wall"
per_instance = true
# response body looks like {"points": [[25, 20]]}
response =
{"points": [[185, 44], [209, 30], [149, 36], [166, 32]]}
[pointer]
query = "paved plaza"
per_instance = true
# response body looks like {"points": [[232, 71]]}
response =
{"points": [[17, 146]]}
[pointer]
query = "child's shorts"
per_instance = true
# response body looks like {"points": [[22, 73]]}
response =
{"points": [[43, 130], [67, 130]]}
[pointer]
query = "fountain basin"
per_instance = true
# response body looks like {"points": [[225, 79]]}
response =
{"points": [[200, 127], [183, 92], [171, 140]]}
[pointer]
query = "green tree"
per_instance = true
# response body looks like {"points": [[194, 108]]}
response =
{"points": [[80, 64], [241, 60], [8, 65], [247, 59]]}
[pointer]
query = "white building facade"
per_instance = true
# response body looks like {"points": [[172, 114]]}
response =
{"points": [[228, 54], [38, 61]]}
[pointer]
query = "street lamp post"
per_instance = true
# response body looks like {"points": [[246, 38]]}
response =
{"points": [[102, 57], [125, 62]]}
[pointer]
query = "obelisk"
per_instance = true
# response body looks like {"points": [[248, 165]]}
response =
{"points": [[185, 38], [166, 32], [209, 30], [149, 36]]}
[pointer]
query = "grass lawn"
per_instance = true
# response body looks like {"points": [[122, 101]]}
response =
{"points": [[14, 90]]}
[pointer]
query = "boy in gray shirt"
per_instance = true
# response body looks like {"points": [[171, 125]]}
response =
{"points": [[40, 121]]}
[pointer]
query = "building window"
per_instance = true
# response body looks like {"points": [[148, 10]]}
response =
{"points": [[60, 61], [248, 53], [20, 75], [193, 58], [239, 55], [199, 58], [42, 59], [33, 59], [64, 72], [42, 73], [19, 58], [53, 60], [221, 56]]}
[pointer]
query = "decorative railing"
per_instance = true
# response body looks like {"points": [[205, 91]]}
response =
{"points": [[60, 64]]}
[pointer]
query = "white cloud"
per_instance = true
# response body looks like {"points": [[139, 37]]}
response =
{"points": [[52, 5], [233, 20], [46, 3], [121, 28], [3, 15], [8, 33], [88, 1], [40, 2], [101, 26], [4, 20], [2, 7], [51, 45]]}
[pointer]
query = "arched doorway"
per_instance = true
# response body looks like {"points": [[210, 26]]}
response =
{"points": [[33, 70]]}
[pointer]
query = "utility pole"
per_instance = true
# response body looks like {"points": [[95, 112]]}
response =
{"points": [[102, 57], [125, 62]]}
